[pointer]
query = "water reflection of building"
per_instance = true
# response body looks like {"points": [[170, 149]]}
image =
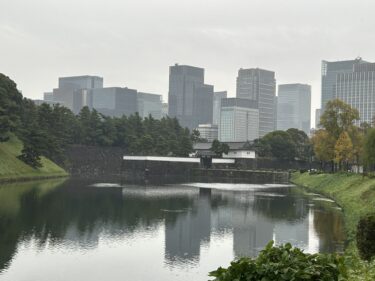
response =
{"points": [[184, 236], [251, 232], [295, 233]]}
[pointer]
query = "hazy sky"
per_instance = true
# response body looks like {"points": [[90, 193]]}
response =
{"points": [[132, 43]]}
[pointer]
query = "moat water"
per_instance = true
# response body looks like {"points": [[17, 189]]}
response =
{"points": [[78, 230]]}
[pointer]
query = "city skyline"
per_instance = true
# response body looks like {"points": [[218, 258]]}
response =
{"points": [[247, 90], [314, 104], [111, 39]]}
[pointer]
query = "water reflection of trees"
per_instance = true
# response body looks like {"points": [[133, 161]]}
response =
{"points": [[281, 206], [329, 228], [12, 198], [77, 213]]}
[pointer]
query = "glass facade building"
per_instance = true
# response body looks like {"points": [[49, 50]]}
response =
{"points": [[209, 132], [239, 120], [294, 107], [189, 99], [329, 72], [358, 90], [149, 104], [218, 96], [114, 101], [259, 86], [72, 91], [203, 101]]}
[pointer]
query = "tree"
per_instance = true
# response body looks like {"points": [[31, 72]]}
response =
{"points": [[357, 136], [324, 145], [338, 117], [219, 148], [261, 147], [146, 144], [343, 150], [301, 142], [10, 107], [280, 145], [34, 136], [196, 137], [369, 149]]}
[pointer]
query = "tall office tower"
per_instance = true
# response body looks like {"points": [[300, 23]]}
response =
{"points": [[72, 91], [186, 84], [218, 96], [203, 101], [149, 104], [239, 120], [276, 113], [294, 107], [358, 90], [329, 73], [114, 101], [259, 86], [318, 113]]}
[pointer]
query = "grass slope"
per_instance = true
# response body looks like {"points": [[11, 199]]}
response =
{"points": [[354, 193], [11, 168]]}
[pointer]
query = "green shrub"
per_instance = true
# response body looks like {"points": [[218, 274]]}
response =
{"points": [[284, 263], [366, 237]]}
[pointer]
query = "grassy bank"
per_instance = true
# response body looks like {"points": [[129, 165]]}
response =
{"points": [[356, 195], [13, 169]]}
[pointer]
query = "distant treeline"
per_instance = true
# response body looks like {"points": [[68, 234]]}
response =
{"points": [[47, 130]]}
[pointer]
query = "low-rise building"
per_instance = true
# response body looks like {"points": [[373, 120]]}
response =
{"points": [[236, 149], [40, 102], [114, 101], [209, 132], [149, 104]]}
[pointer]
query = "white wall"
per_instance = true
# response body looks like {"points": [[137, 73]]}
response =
{"points": [[240, 154]]}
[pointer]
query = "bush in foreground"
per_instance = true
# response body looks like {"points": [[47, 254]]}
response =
{"points": [[366, 237], [284, 263]]}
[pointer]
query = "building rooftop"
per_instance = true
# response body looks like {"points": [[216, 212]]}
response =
{"points": [[232, 145]]}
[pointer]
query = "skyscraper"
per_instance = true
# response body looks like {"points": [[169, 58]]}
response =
{"points": [[218, 96], [203, 105], [259, 86], [239, 120], [329, 73], [358, 90], [294, 107], [318, 113], [188, 97]]}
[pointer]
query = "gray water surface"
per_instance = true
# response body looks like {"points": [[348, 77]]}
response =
{"points": [[76, 230]]}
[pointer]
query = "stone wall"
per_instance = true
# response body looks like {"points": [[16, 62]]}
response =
{"points": [[275, 164], [106, 162], [94, 162]]}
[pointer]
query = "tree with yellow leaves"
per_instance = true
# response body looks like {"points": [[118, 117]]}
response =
{"points": [[343, 150], [324, 146]]}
